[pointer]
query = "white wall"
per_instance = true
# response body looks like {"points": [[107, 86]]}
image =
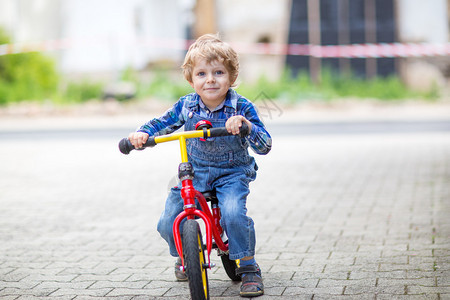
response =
{"points": [[115, 34], [103, 35], [423, 21], [30, 21]]}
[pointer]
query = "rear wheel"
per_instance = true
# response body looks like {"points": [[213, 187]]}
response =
{"points": [[194, 257], [230, 267]]}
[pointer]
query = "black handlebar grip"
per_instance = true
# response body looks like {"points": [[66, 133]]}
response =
{"points": [[150, 142], [126, 147], [219, 131], [222, 131], [244, 130]]}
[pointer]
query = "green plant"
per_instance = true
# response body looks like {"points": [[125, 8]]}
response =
{"points": [[26, 76], [164, 87], [130, 74], [82, 91], [332, 86]]}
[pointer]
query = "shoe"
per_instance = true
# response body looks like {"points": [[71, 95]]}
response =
{"points": [[252, 285], [179, 273]]}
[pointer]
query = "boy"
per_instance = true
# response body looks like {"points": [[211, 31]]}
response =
{"points": [[211, 68]]}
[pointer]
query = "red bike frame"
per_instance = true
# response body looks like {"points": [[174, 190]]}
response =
{"points": [[211, 220], [190, 194]]}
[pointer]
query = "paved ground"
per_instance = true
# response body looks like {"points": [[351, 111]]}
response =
{"points": [[360, 215]]}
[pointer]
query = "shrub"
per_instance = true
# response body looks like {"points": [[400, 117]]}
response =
{"points": [[332, 86], [26, 76], [82, 91]]}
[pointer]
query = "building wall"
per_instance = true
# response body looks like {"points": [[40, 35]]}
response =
{"points": [[254, 21], [115, 34], [100, 35], [110, 35], [422, 21], [30, 21]]}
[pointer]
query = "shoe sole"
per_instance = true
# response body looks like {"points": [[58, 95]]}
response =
{"points": [[252, 294], [180, 276], [181, 280]]}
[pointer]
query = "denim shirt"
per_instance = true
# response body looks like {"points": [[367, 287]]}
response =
{"points": [[174, 118]]}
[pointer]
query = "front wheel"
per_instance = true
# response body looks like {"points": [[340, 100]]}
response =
{"points": [[194, 257]]}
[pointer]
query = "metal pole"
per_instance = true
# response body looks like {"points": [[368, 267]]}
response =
{"points": [[343, 34], [315, 63], [370, 35]]}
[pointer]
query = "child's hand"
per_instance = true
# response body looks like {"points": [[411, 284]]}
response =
{"points": [[138, 139], [234, 123]]}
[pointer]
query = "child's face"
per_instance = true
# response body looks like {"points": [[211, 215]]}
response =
{"points": [[211, 81]]}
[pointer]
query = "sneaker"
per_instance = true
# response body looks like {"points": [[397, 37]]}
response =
{"points": [[179, 273], [252, 285]]}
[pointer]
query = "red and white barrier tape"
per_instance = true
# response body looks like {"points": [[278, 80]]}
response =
{"points": [[321, 51], [348, 51]]}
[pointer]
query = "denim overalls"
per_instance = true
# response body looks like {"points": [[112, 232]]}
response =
{"points": [[221, 163]]}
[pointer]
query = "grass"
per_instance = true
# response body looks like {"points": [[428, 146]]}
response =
{"points": [[334, 86], [288, 89], [296, 89]]}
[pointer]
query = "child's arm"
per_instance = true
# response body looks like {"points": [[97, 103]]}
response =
{"points": [[259, 139], [167, 123]]}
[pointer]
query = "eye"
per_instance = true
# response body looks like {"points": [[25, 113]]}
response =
{"points": [[220, 72], [201, 73]]}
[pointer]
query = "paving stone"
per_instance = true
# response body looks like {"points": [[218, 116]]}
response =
{"points": [[352, 217]]}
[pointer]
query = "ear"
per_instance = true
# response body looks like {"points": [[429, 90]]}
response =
{"points": [[191, 83], [233, 80]]}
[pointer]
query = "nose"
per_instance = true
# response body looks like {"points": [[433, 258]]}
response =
{"points": [[210, 78]]}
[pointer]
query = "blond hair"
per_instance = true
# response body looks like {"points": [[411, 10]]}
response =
{"points": [[211, 48]]}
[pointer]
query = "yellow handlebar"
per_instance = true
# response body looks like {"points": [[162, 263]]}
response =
{"points": [[181, 136], [178, 135], [125, 145]]}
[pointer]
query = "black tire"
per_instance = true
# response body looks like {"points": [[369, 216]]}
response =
{"points": [[230, 267], [194, 257]]}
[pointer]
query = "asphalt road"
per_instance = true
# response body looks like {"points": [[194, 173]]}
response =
{"points": [[276, 129]]}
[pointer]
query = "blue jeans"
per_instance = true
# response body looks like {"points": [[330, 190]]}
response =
{"points": [[231, 183]]}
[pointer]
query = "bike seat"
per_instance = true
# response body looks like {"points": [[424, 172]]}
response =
{"points": [[210, 195]]}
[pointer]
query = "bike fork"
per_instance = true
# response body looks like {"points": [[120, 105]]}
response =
{"points": [[177, 235], [189, 195]]}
